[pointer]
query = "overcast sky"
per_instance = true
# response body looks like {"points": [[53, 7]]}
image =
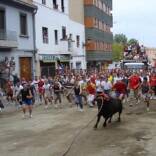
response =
{"points": [[136, 19]]}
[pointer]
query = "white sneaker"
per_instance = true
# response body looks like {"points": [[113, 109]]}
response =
{"points": [[30, 116], [151, 97], [46, 106], [24, 116], [1, 110], [148, 109], [56, 106], [81, 110], [138, 102]]}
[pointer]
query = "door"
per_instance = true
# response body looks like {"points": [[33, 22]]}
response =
{"points": [[26, 68]]}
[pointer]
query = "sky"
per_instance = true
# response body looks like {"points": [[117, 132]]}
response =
{"points": [[136, 19]]}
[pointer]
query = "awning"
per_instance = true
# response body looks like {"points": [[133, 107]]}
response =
{"points": [[47, 58]]}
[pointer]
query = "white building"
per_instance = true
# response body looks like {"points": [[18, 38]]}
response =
{"points": [[58, 37], [17, 37]]}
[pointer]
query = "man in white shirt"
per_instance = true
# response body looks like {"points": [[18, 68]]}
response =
{"points": [[107, 86]]}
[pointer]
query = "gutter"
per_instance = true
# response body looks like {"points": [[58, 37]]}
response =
{"points": [[34, 38]]}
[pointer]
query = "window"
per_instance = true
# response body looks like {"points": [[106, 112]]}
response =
{"points": [[44, 2], [45, 34], [62, 5], [23, 24], [55, 5], [2, 20], [78, 65], [78, 41], [56, 36], [64, 36]]}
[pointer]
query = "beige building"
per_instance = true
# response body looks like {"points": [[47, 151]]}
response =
{"points": [[76, 10], [151, 53]]}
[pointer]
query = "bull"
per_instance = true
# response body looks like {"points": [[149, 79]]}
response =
{"points": [[107, 108]]}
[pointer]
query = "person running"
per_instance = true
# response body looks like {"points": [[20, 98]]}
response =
{"points": [[41, 89], [57, 92], [120, 89], [78, 96], [91, 89], [17, 90], [26, 100], [145, 88], [134, 86], [107, 86], [153, 84], [47, 93]]}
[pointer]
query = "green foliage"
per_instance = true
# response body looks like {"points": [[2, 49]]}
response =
{"points": [[117, 51], [132, 41], [120, 39]]}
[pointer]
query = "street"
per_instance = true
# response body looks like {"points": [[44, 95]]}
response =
{"points": [[49, 133]]}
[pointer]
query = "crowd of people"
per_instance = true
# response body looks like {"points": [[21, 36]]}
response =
{"points": [[135, 52], [81, 88]]}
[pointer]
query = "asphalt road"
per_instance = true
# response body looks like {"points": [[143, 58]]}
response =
{"points": [[49, 133]]}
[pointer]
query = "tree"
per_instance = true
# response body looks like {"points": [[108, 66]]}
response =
{"points": [[120, 38], [117, 51], [132, 41]]}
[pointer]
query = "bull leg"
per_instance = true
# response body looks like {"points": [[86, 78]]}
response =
{"points": [[119, 118], [110, 119], [98, 120], [105, 123]]}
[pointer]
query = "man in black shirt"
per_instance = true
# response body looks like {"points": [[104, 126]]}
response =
{"points": [[26, 100]]}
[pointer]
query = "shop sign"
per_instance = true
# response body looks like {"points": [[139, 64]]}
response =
{"points": [[53, 58]]}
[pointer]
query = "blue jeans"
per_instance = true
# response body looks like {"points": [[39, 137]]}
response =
{"points": [[79, 101]]}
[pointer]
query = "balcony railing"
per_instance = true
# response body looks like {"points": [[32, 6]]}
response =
{"points": [[8, 39], [8, 35]]}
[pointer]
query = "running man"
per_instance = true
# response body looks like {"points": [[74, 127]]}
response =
{"points": [[26, 100]]}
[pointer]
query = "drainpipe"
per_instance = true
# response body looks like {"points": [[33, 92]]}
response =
{"points": [[34, 40]]}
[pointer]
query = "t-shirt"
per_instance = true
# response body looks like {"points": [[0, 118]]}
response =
{"points": [[134, 82], [153, 81], [25, 93], [91, 88], [120, 87], [106, 85]]}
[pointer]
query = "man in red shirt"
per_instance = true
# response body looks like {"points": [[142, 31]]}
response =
{"points": [[120, 89], [91, 90], [134, 85], [153, 83]]}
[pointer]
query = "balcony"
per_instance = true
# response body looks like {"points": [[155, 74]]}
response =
{"points": [[8, 39], [66, 46]]}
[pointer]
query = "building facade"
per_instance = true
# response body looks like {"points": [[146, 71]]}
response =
{"points": [[58, 37], [17, 38], [99, 38]]}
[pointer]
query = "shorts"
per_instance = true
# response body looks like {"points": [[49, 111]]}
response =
{"points": [[146, 96], [90, 98], [119, 94], [27, 102]]}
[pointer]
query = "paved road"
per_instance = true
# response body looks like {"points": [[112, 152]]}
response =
{"points": [[50, 133]]}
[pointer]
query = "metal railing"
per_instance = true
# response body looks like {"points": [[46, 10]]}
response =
{"points": [[8, 35]]}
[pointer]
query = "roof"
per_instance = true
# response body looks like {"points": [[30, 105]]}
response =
{"points": [[27, 4]]}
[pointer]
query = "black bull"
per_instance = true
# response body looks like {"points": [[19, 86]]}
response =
{"points": [[107, 108]]}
